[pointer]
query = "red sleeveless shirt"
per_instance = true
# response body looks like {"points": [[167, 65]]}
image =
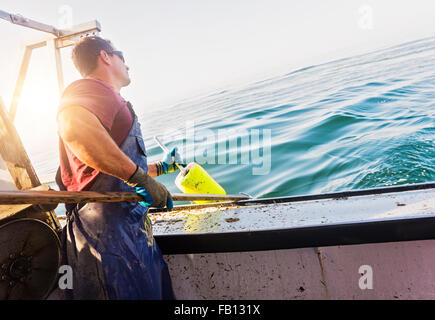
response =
{"points": [[110, 108]]}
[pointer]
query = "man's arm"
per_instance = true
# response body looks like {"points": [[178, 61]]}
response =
{"points": [[152, 170], [87, 138]]}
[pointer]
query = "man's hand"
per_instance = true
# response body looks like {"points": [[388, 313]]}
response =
{"points": [[151, 190], [170, 159]]}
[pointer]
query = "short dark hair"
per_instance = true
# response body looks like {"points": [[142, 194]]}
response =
{"points": [[86, 51]]}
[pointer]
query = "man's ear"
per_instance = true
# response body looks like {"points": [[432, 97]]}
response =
{"points": [[105, 58]]}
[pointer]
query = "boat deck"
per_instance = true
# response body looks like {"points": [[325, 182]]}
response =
{"points": [[382, 217]]}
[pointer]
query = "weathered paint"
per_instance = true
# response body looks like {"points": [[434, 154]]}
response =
{"points": [[401, 270]]}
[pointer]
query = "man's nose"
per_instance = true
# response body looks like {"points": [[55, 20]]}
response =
{"points": [[128, 68]]}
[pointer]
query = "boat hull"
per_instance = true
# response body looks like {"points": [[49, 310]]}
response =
{"points": [[377, 244], [399, 270]]}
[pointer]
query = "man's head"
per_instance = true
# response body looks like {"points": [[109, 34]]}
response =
{"points": [[95, 56]]}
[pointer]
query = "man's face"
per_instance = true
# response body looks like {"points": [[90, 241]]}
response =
{"points": [[119, 68]]}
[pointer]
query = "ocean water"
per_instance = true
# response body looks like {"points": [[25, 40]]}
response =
{"points": [[356, 123], [362, 122]]}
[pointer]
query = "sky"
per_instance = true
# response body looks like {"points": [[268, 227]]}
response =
{"points": [[180, 49]]}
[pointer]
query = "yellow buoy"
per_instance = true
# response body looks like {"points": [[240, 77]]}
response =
{"points": [[197, 180]]}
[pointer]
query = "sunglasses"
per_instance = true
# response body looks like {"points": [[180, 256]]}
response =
{"points": [[119, 54]]}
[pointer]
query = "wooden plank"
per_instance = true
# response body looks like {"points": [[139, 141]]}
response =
{"points": [[8, 210], [53, 197], [18, 163]]}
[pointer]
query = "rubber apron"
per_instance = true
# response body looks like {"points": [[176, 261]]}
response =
{"points": [[110, 246]]}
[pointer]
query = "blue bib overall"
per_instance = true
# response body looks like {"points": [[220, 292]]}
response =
{"points": [[110, 246]]}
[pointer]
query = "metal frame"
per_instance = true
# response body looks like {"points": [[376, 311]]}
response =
{"points": [[20, 20], [62, 39]]}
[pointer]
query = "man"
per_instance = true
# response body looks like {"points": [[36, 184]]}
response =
{"points": [[109, 246]]}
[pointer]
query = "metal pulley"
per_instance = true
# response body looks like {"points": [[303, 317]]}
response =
{"points": [[29, 259]]}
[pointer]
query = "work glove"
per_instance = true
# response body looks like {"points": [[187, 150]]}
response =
{"points": [[168, 163], [151, 190]]}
